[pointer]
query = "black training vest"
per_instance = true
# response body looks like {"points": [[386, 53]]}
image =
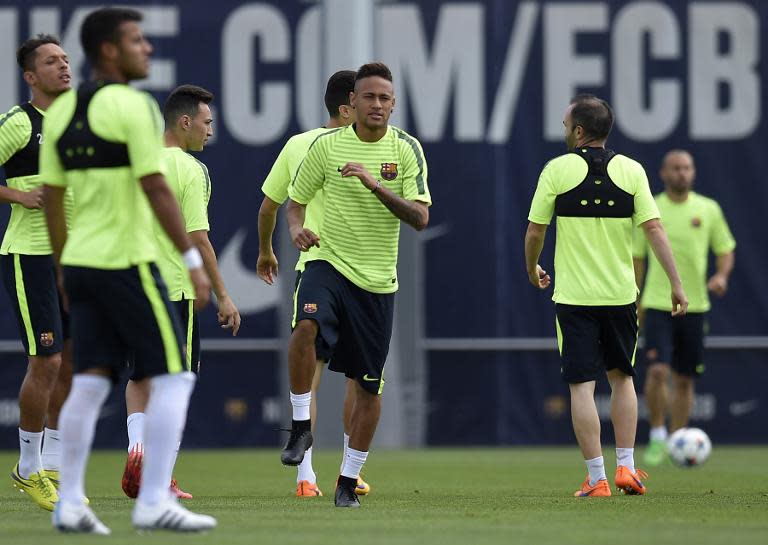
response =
{"points": [[79, 147], [25, 161], [596, 196]]}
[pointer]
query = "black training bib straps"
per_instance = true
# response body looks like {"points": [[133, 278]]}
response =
{"points": [[25, 161], [597, 196], [79, 147]]}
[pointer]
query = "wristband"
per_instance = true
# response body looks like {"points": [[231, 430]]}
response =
{"points": [[192, 258], [376, 187]]}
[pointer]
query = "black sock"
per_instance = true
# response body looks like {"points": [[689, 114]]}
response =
{"points": [[347, 482], [302, 425]]}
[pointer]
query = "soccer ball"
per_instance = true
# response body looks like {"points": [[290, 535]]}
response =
{"points": [[689, 447]]}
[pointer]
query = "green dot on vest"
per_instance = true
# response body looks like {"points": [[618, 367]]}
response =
{"points": [[69, 152], [583, 203], [80, 150], [598, 201], [611, 203], [79, 125], [598, 182], [90, 151]]}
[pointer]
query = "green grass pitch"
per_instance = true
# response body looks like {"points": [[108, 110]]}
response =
{"points": [[438, 496]]}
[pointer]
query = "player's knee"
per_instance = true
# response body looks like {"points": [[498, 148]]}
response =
{"points": [[683, 382], [305, 332], [45, 367], [658, 372]]}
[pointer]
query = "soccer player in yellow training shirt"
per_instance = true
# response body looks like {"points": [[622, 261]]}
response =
{"points": [[695, 225], [29, 274], [188, 126], [598, 197], [337, 93], [346, 293], [105, 141]]}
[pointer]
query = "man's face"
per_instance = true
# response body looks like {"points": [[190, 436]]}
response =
{"points": [[570, 130], [373, 100], [51, 70], [133, 51], [678, 172], [200, 128]]}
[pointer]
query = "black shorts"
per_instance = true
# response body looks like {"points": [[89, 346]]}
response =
{"points": [[355, 324], [677, 341], [191, 329], [322, 350], [118, 315], [595, 338], [30, 281]]}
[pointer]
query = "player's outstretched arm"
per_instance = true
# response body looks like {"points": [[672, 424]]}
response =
{"points": [[266, 265], [302, 237], [657, 239], [414, 213], [534, 242], [229, 316], [166, 208]]}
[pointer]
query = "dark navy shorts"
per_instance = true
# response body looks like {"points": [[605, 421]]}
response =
{"points": [[123, 315], [678, 341], [354, 324], [30, 281], [322, 350], [591, 339]]}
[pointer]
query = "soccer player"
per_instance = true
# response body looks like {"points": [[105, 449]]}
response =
{"points": [[695, 225], [598, 196], [346, 293], [275, 188], [105, 141], [29, 274], [188, 126]]}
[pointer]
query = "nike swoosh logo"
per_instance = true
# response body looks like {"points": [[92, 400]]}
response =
{"points": [[741, 408], [248, 291], [25, 440], [338, 169], [369, 379]]}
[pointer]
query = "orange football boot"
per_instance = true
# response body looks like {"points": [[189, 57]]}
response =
{"points": [[306, 489], [599, 490], [131, 481], [629, 482]]}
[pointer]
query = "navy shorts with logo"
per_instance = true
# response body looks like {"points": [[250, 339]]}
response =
{"points": [[677, 341], [121, 315], [354, 324], [595, 338], [190, 326], [30, 281], [322, 350]]}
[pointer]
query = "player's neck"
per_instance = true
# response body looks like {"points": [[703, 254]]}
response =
{"points": [[370, 135], [108, 72], [590, 143], [335, 123], [41, 100], [676, 196], [173, 141]]}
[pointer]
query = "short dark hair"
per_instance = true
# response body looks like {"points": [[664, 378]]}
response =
{"points": [[337, 91], [594, 115], [373, 69], [26, 53], [185, 100], [103, 25]]}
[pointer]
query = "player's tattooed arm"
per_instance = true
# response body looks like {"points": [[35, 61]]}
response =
{"points": [[414, 213]]}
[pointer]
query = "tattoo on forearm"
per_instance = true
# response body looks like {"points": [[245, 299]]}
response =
{"points": [[408, 211]]}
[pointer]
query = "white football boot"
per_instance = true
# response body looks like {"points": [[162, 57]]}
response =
{"points": [[78, 518], [169, 515]]}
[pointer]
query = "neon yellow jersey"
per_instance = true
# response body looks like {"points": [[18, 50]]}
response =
{"points": [[27, 232], [112, 221], [279, 178], [359, 234], [189, 180], [593, 255], [694, 227]]}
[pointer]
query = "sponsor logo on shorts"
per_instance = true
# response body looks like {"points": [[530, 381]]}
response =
{"points": [[310, 308], [46, 339], [389, 171]]}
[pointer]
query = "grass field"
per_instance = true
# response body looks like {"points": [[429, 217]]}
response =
{"points": [[441, 496]]}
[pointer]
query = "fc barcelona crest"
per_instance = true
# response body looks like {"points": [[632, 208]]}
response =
{"points": [[389, 171], [46, 339], [310, 308]]}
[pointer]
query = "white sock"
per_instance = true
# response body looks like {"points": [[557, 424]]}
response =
{"points": [[176, 455], [77, 424], [135, 425], [29, 452], [596, 469], [51, 449], [659, 433], [306, 473], [353, 463], [626, 457], [300, 404], [344, 454], [165, 416]]}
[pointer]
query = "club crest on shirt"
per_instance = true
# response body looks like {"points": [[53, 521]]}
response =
{"points": [[46, 338], [389, 171], [696, 222], [310, 308]]}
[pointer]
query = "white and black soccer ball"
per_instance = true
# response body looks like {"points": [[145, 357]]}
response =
{"points": [[689, 447]]}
